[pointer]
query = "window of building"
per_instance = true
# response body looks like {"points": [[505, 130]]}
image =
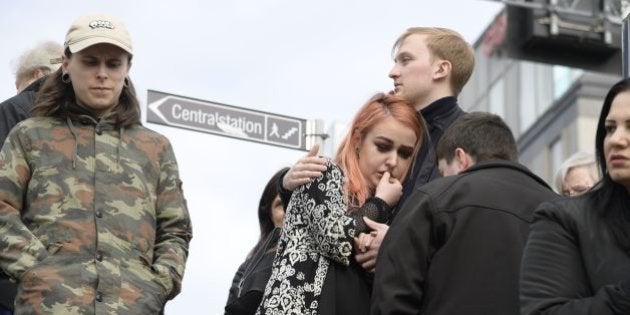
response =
{"points": [[556, 156], [544, 88], [535, 92], [527, 96], [563, 78], [496, 100]]}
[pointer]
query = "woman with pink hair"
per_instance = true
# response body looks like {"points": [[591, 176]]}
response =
{"points": [[313, 271]]}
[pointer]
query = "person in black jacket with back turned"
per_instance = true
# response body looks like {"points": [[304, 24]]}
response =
{"points": [[577, 258], [455, 246]]}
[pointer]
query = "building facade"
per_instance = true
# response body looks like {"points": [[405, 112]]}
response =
{"points": [[552, 109]]}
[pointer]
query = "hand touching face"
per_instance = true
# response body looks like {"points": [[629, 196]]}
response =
{"points": [[387, 147]]}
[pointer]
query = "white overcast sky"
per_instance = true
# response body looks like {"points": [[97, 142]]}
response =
{"points": [[307, 59]]}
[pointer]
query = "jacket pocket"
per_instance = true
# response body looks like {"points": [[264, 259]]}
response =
{"points": [[142, 273], [52, 249], [54, 279]]}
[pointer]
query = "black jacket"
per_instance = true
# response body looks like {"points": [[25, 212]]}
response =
{"points": [[455, 247], [17, 108], [438, 116], [251, 277], [572, 263]]}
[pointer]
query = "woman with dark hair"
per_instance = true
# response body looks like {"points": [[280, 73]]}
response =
{"points": [[577, 258], [314, 271], [270, 209], [92, 213], [251, 277]]}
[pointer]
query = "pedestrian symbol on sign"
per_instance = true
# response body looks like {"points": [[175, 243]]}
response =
{"points": [[274, 130]]}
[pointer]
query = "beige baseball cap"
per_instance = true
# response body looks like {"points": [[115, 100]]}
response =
{"points": [[90, 30]]}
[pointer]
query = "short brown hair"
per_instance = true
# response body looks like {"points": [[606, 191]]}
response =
{"points": [[484, 136], [448, 45]]}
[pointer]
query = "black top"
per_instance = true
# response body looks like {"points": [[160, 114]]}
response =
{"points": [[572, 263], [455, 247], [438, 116]]}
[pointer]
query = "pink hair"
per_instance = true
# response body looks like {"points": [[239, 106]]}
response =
{"points": [[377, 109]]}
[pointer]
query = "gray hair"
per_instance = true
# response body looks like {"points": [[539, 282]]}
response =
{"points": [[578, 159], [45, 57]]}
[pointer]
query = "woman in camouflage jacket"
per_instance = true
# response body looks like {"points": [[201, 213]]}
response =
{"points": [[92, 215]]}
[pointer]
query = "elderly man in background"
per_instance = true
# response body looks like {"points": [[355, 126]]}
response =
{"points": [[577, 174], [34, 64]]}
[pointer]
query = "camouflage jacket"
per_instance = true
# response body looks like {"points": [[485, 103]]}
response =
{"points": [[92, 219]]}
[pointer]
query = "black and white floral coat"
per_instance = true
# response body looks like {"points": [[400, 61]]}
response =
{"points": [[318, 231]]}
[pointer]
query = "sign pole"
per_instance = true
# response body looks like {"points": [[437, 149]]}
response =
{"points": [[625, 28]]}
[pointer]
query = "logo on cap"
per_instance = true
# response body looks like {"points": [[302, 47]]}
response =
{"points": [[101, 24]]}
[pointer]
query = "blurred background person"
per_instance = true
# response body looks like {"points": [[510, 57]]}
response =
{"points": [[577, 257], [37, 62], [251, 277], [577, 174], [33, 65]]}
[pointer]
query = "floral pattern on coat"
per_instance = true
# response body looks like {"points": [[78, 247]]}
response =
{"points": [[316, 233]]}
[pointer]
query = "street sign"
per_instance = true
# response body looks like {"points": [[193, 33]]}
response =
{"points": [[225, 120]]}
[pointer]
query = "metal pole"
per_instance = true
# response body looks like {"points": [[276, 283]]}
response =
{"points": [[554, 28], [625, 44]]}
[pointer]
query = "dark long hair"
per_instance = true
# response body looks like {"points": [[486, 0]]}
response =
{"points": [[53, 98], [264, 207], [612, 199]]}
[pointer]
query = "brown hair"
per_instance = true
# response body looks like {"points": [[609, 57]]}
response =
{"points": [[448, 45], [54, 95], [377, 109], [484, 136]]}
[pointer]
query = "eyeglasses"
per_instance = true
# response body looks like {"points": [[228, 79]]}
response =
{"points": [[575, 190]]}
